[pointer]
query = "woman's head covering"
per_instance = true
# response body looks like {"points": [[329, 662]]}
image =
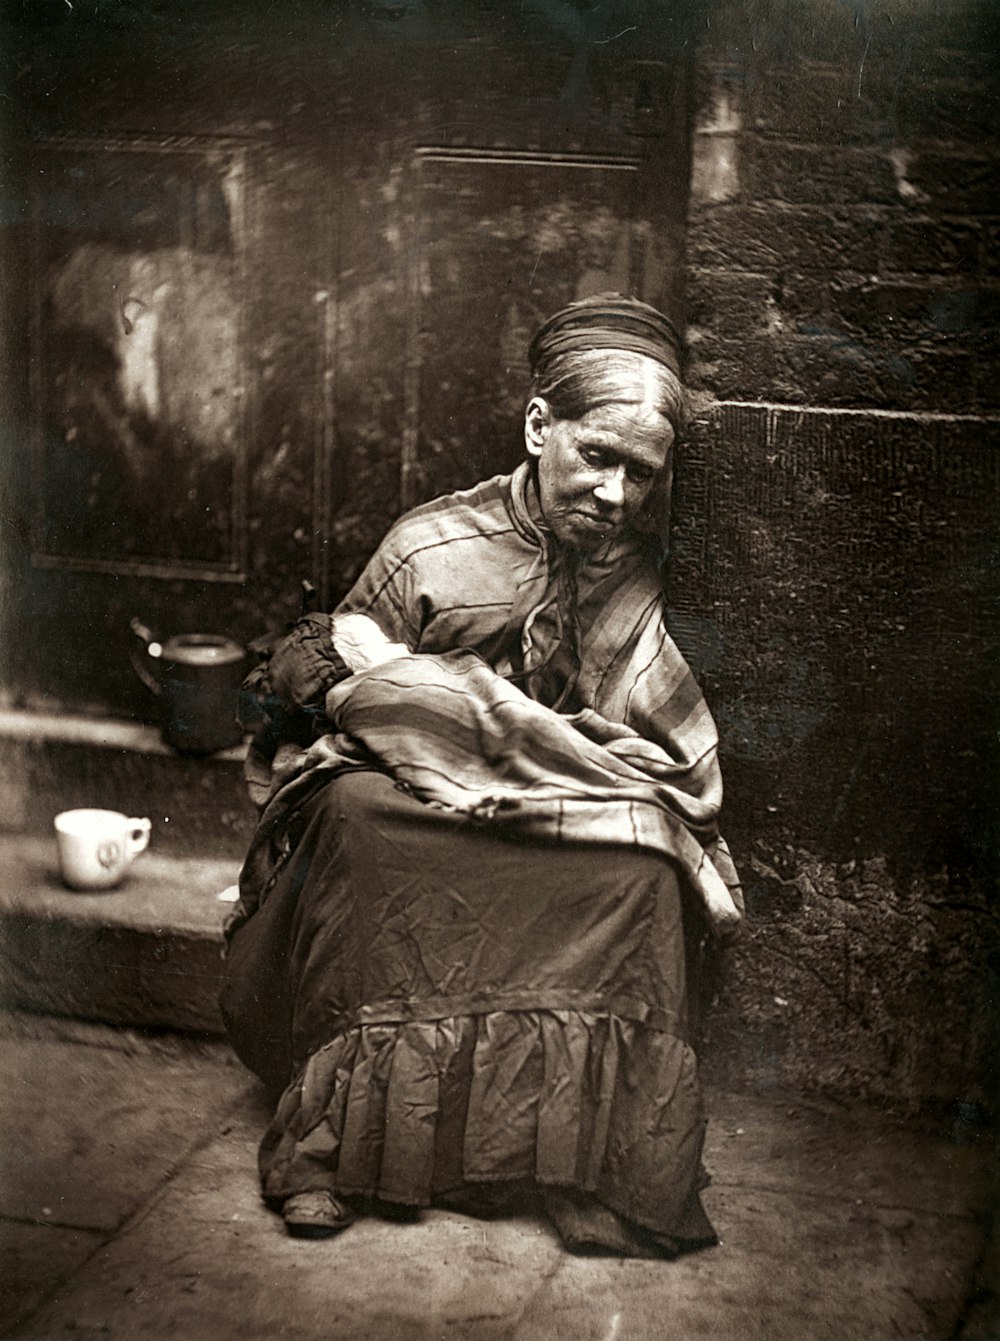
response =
{"points": [[607, 321]]}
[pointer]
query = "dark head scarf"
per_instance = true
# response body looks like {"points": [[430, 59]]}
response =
{"points": [[607, 321]]}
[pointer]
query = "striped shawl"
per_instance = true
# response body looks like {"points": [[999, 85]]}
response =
{"points": [[551, 699]]}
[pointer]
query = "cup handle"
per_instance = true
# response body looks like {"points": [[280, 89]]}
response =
{"points": [[138, 836]]}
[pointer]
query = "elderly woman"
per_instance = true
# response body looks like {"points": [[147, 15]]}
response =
{"points": [[490, 809]]}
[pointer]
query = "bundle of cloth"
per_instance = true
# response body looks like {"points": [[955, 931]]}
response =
{"points": [[456, 734]]}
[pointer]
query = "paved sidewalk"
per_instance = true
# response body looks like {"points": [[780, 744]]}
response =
{"points": [[130, 1210]]}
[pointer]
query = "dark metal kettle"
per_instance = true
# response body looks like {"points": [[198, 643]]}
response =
{"points": [[197, 677]]}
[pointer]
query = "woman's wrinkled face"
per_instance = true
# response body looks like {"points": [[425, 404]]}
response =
{"points": [[595, 473]]}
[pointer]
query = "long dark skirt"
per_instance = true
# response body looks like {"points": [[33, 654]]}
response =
{"points": [[448, 1009]]}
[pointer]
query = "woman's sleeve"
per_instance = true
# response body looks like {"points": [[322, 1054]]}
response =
{"points": [[283, 696], [282, 699], [388, 592], [305, 664]]}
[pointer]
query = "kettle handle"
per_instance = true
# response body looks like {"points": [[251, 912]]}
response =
{"points": [[139, 663]]}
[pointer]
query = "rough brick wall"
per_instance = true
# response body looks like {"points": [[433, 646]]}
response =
{"points": [[843, 229], [835, 540]]}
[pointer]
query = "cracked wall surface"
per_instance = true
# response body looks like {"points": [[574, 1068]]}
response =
{"points": [[835, 543]]}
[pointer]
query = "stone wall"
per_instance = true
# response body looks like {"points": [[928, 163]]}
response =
{"points": [[835, 539]]}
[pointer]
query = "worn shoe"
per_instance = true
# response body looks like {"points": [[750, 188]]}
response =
{"points": [[316, 1215]]}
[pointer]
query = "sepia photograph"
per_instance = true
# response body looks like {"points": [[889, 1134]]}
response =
{"points": [[499, 696]]}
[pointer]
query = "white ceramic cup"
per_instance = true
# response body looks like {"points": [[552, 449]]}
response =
{"points": [[96, 847]]}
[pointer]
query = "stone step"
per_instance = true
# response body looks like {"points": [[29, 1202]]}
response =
{"points": [[51, 762], [147, 954]]}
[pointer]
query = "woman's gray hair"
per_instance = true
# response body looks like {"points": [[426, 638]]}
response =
{"points": [[576, 381]]}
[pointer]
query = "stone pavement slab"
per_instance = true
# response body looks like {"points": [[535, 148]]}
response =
{"points": [[33, 1259], [52, 761], [89, 1133], [92, 1132], [797, 1144], [160, 890], [834, 1225], [147, 953]]}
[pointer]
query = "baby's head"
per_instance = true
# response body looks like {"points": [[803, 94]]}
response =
{"points": [[360, 642]]}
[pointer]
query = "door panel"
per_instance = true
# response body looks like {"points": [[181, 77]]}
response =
{"points": [[139, 459], [504, 238]]}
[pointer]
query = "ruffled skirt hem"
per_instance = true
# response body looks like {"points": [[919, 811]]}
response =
{"points": [[602, 1113]]}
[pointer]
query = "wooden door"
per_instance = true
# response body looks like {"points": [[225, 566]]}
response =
{"points": [[268, 313]]}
